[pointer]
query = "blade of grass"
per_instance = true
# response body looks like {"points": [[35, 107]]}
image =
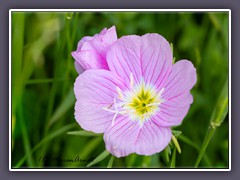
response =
{"points": [[44, 140], [166, 154], [26, 141], [131, 160], [146, 161], [82, 133], [38, 81], [218, 116], [90, 147], [18, 20], [213, 18], [110, 163], [194, 145], [101, 157], [66, 104], [17, 43], [173, 161]]}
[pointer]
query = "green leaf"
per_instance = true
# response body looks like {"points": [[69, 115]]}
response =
{"points": [[101, 157], [221, 108], [176, 133], [83, 133], [175, 142]]}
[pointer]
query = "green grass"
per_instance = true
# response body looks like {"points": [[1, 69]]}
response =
{"points": [[43, 76]]}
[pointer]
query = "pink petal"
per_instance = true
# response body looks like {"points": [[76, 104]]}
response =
{"points": [[94, 90], [91, 51], [177, 94], [124, 57], [156, 58], [78, 67], [126, 137], [181, 79], [90, 58], [147, 56]]}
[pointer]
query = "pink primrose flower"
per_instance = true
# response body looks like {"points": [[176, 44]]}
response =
{"points": [[138, 98], [91, 51]]}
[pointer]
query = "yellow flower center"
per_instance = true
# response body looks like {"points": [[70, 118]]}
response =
{"points": [[140, 102]]}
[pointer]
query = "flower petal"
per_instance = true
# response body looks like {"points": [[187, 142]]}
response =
{"points": [[123, 57], [95, 90], [156, 58], [90, 58], [147, 56], [177, 94], [78, 67], [91, 51], [126, 137], [181, 79]]}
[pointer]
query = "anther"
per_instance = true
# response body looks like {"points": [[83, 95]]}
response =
{"points": [[119, 93]]}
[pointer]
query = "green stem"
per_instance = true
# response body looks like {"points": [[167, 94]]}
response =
{"points": [[206, 141], [110, 163], [218, 116], [173, 161]]}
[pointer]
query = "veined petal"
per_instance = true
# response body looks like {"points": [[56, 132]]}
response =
{"points": [[176, 95], [89, 59], [123, 57], [182, 78], [78, 67], [126, 137], [156, 58], [173, 111], [148, 56], [95, 90]]}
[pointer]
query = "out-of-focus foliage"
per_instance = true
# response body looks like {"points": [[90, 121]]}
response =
{"points": [[43, 75]]}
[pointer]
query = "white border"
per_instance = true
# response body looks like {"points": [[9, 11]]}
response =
{"points": [[120, 10]]}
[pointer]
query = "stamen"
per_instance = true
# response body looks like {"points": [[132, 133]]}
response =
{"points": [[131, 80], [119, 93], [110, 106], [162, 100], [160, 93], [114, 117], [115, 105], [109, 110], [153, 104]]}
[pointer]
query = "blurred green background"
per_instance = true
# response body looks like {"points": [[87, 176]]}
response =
{"points": [[43, 75]]}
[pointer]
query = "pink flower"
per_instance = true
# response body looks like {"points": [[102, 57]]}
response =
{"points": [[91, 51], [137, 101]]}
